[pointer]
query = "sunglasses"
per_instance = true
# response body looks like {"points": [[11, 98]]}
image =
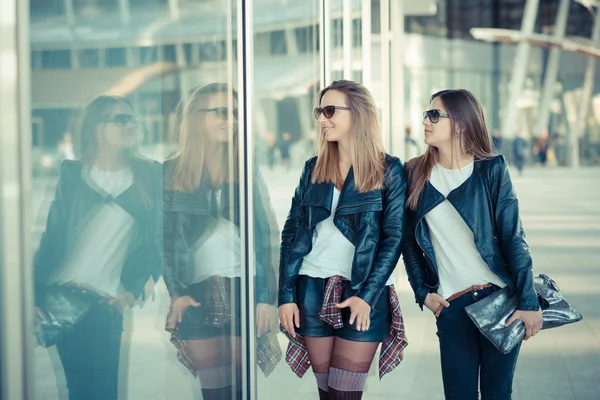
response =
{"points": [[122, 120], [434, 115], [222, 112], [328, 111]]}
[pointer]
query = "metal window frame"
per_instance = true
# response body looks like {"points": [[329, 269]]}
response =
{"points": [[16, 304]]}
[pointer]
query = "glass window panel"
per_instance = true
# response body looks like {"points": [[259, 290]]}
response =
{"points": [[116, 57], [95, 9], [89, 58], [169, 53], [56, 59], [284, 138], [40, 9], [277, 41], [104, 226]]}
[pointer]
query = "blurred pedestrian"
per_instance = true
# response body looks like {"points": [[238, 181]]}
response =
{"points": [[540, 148], [411, 148], [519, 152], [497, 141], [285, 144], [271, 141], [65, 147]]}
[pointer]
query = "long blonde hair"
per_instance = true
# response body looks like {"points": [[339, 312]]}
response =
{"points": [[464, 109], [366, 147], [189, 167]]}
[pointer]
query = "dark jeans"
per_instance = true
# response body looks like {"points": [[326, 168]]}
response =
{"points": [[90, 355], [466, 355]]}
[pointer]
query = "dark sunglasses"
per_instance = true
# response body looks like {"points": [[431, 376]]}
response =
{"points": [[122, 120], [328, 111], [434, 115], [222, 112]]}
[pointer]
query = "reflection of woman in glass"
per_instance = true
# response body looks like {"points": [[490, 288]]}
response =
{"points": [[203, 247], [340, 244], [464, 240], [100, 244]]}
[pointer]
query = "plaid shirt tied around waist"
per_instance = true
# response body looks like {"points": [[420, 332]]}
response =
{"points": [[391, 353], [218, 314]]}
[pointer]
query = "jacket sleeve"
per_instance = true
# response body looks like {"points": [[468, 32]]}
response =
{"points": [[150, 261], [166, 232], [390, 238], [267, 238], [511, 236], [50, 253], [414, 260], [287, 285]]}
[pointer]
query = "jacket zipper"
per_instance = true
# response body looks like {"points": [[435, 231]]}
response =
{"points": [[357, 205], [422, 249]]}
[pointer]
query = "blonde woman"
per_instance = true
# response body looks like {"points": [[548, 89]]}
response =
{"points": [[202, 246], [340, 245]]}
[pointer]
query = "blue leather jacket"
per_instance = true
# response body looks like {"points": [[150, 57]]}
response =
{"points": [[75, 203], [489, 206], [372, 222], [186, 218]]}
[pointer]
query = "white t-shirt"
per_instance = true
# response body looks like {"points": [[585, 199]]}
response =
{"points": [[218, 252], [332, 253], [459, 263], [96, 258]]}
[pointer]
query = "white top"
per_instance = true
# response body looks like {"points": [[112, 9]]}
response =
{"points": [[218, 252], [96, 258], [332, 253], [459, 263]]}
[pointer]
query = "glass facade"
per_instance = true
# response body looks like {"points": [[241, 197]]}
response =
{"points": [[227, 86], [151, 71]]}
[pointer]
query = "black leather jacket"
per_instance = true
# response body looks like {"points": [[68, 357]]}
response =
{"points": [[488, 204], [371, 221], [187, 217], [75, 203]]}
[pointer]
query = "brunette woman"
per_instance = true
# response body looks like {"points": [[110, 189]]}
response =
{"points": [[464, 240], [100, 244]]}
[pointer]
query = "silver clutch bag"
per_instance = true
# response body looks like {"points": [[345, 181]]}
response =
{"points": [[490, 314]]}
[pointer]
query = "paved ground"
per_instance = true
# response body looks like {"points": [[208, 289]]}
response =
{"points": [[561, 214]]}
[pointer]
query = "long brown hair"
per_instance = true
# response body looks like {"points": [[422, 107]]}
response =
{"points": [[366, 147], [188, 169], [465, 110], [96, 112]]}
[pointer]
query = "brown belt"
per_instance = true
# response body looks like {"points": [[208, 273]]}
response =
{"points": [[473, 288]]}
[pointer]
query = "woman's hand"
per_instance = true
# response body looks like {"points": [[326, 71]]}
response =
{"points": [[435, 303], [178, 306], [359, 311], [122, 300], [532, 319], [266, 318], [289, 315]]}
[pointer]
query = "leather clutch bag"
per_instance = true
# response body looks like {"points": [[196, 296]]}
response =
{"points": [[61, 308], [491, 313]]}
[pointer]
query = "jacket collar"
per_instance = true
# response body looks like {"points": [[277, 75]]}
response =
{"points": [[431, 197], [321, 194]]}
